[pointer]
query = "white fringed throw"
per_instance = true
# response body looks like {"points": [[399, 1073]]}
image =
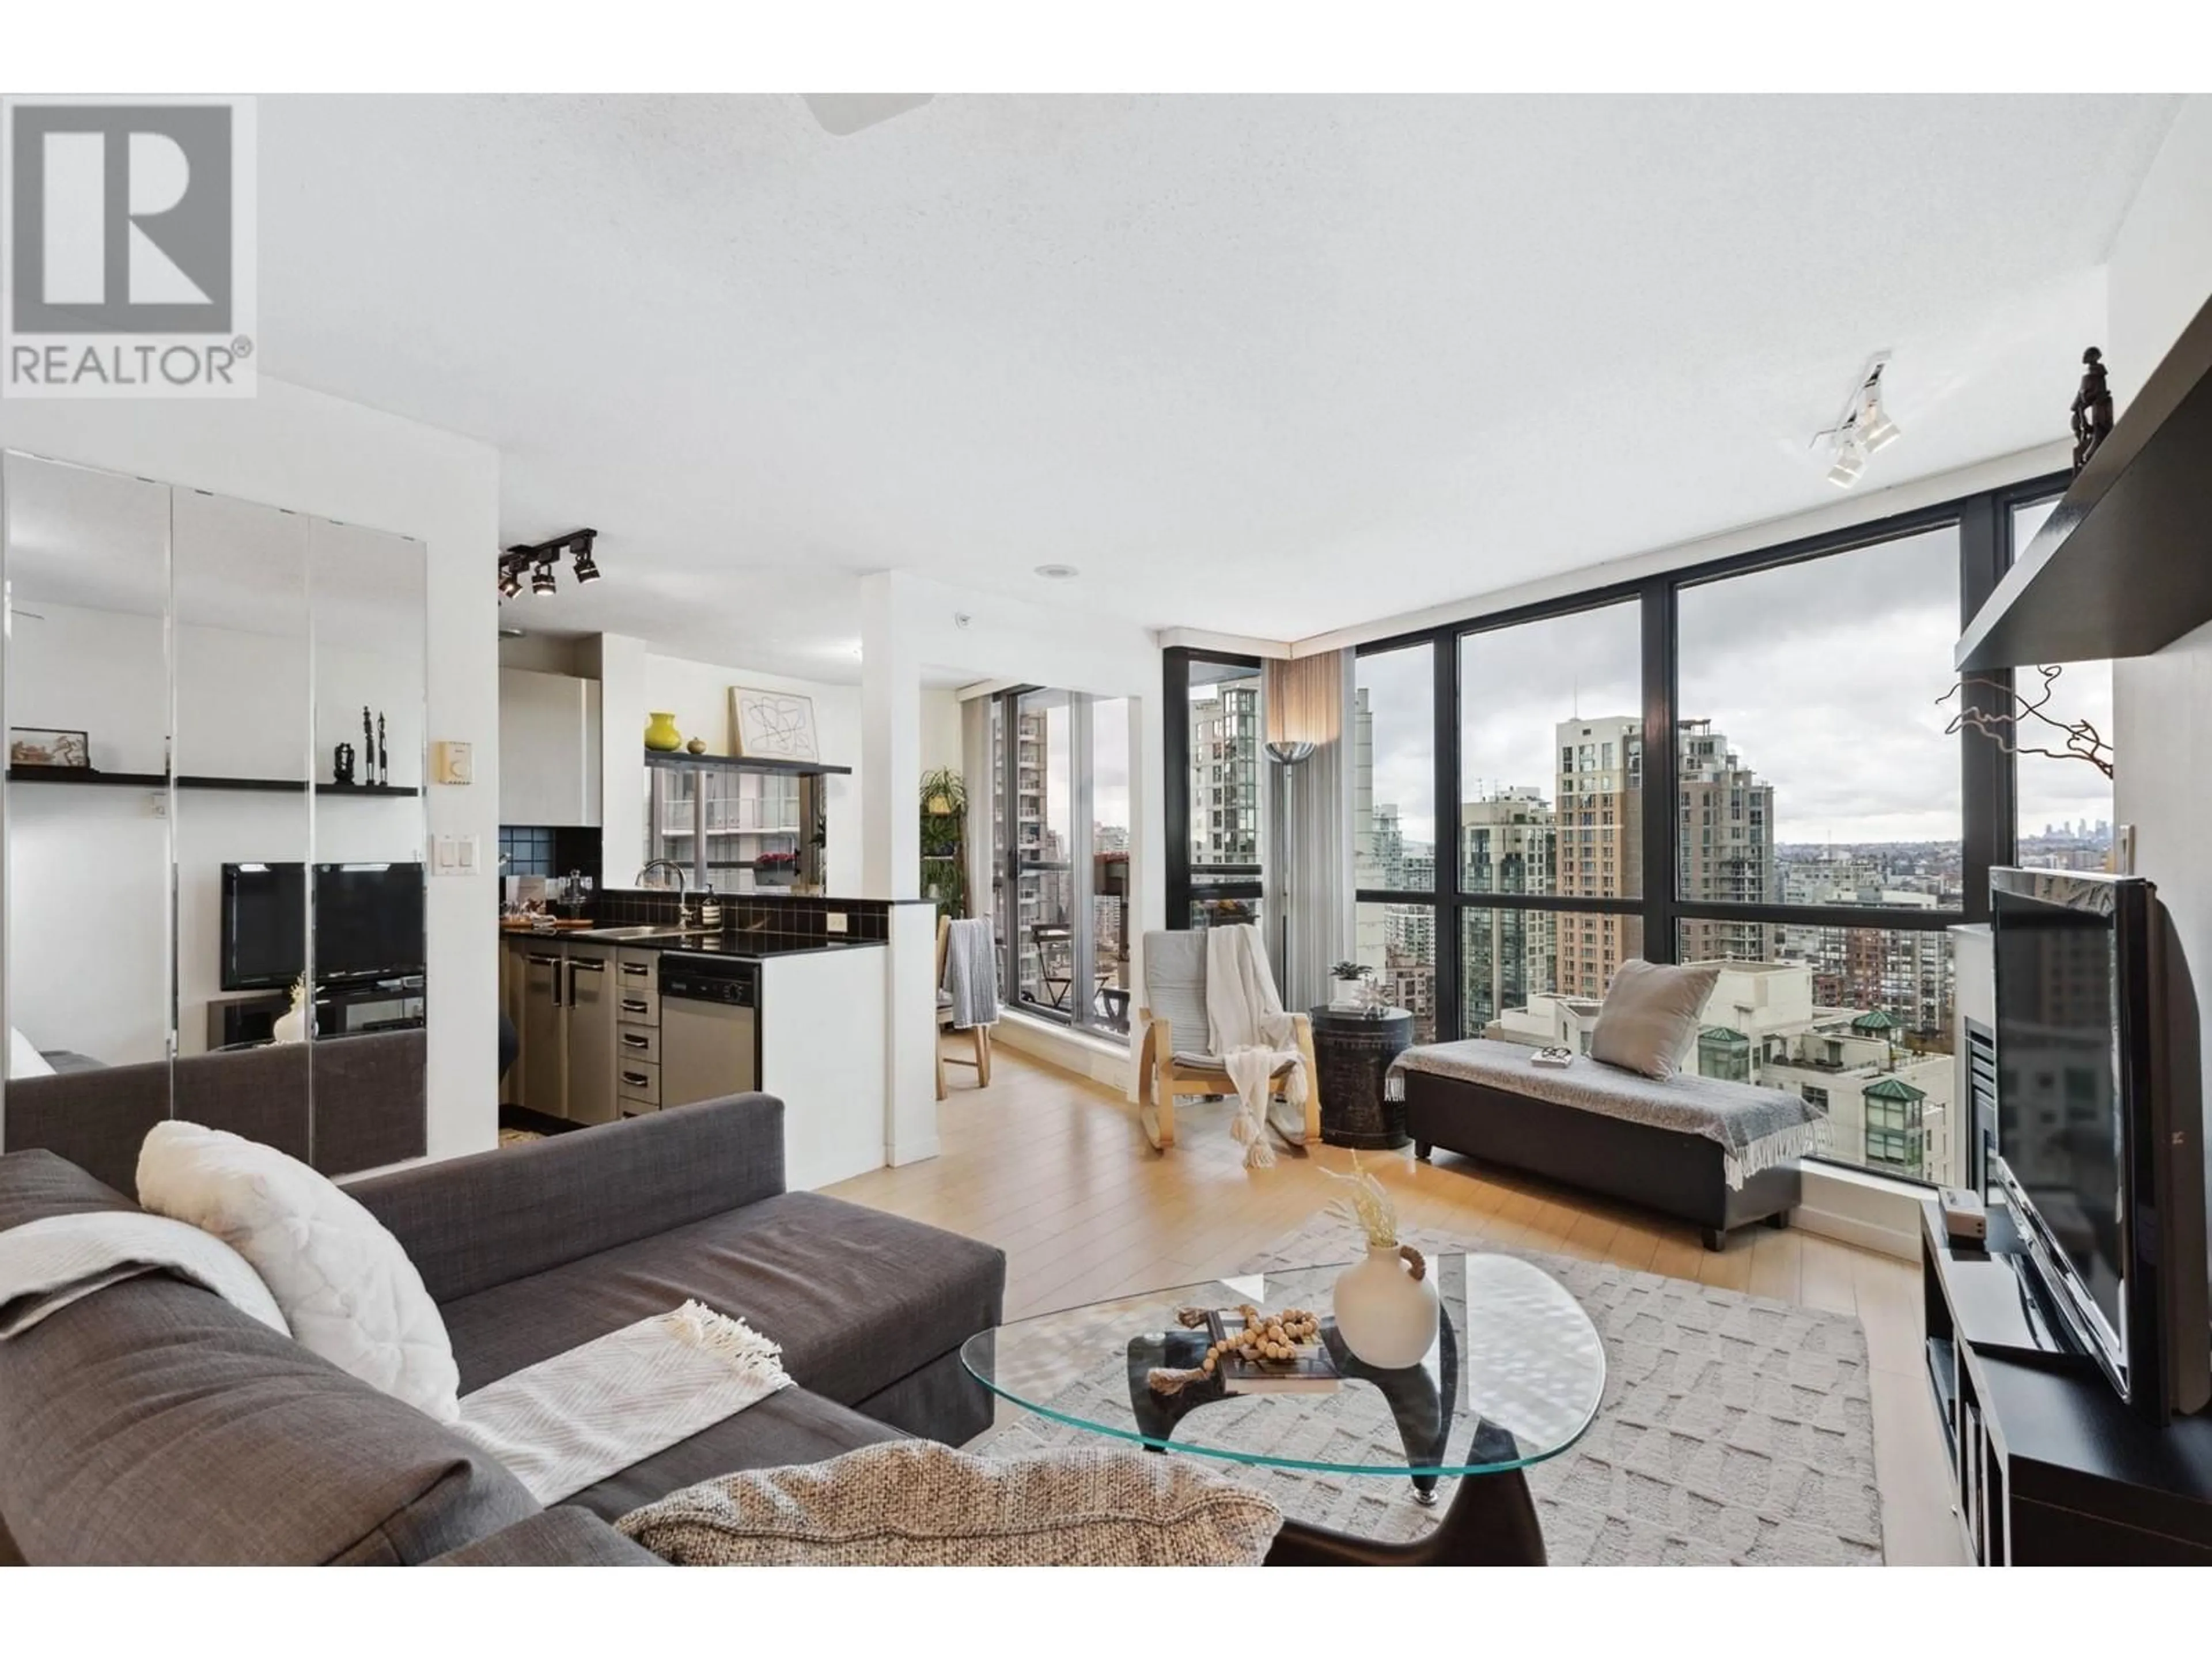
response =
{"points": [[566, 1422], [1247, 1028]]}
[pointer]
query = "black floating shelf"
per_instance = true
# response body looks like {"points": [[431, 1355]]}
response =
{"points": [[81, 775], [2123, 567], [682, 761]]}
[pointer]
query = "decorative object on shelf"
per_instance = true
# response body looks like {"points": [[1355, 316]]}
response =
{"points": [[2081, 738], [291, 1026], [772, 725], [29, 745], [696, 747], [383, 759], [1350, 981], [775, 869], [539, 558], [944, 841], [341, 766], [2092, 409], [368, 743], [661, 735], [1266, 1353], [1386, 1309]]}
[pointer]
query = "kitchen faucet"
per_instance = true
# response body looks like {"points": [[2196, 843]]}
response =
{"points": [[682, 902]]}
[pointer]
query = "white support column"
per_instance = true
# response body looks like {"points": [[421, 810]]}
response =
{"points": [[891, 862], [891, 744], [622, 758]]}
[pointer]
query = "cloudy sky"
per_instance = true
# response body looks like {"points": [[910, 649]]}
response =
{"points": [[1110, 760], [1823, 676]]}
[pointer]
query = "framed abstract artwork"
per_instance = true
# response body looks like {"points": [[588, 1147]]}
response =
{"points": [[772, 725]]}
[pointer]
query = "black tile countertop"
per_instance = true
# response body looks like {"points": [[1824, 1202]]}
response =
{"points": [[742, 945]]}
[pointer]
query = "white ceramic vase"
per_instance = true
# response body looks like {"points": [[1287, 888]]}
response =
{"points": [[291, 1026], [1386, 1309]]}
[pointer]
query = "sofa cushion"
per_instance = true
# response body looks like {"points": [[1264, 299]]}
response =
{"points": [[154, 1423], [918, 1503], [789, 1426], [857, 1298], [346, 1287], [37, 1184]]}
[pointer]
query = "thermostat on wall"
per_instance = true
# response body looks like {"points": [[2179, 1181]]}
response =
{"points": [[452, 763]]}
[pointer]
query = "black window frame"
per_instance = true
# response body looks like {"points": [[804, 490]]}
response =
{"points": [[1988, 828], [1248, 880]]}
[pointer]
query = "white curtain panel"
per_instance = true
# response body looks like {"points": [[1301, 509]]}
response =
{"points": [[1309, 700], [975, 773]]}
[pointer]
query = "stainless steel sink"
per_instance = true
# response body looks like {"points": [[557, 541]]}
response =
{"points": [[650, 930]]}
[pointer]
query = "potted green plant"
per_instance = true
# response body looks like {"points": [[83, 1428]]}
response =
{"points": [[1349, 979], [944, 838]]}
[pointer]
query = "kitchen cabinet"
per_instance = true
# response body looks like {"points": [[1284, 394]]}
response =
{"points": [[549, 749], [591, 1037], [545, 1030]]}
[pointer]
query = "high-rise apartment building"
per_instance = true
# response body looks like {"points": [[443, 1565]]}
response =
{"points": [[1598, 796], [1509, 844], [1224, 775], [1728, 846]]}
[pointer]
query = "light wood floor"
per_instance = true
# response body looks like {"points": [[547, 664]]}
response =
{"points": [[1052, 1168]]}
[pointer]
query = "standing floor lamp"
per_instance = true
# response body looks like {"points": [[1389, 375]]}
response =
{"points": [[1288, 756]]}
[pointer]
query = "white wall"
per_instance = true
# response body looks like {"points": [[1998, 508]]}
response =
{"points": [[294, 448], [941, 729], [2161, 276], [698, 695]]}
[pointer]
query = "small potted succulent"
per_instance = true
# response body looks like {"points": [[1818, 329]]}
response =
{"points": [[1351, 981]]}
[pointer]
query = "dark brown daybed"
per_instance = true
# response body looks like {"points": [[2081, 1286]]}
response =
{"points": [[1675, 1146]]}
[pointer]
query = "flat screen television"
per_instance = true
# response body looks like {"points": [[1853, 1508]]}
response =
{"points": [[369, 924], [2099, 1148]]}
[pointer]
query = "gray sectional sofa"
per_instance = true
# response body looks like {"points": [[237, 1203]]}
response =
{"points": [[154, 1423]]}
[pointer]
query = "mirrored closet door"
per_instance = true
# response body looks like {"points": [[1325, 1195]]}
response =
{"points": [[212, 825]]}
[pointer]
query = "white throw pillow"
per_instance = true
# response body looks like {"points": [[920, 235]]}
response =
{"points": [[23, 1060], [346, 1288], [1649, 1019]]}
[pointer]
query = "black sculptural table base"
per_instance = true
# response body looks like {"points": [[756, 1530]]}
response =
{"points": [[1491, 1521]]}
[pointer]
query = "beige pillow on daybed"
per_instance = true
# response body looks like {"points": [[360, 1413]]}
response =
{"points": [[1650, 1016], [917, 1503]]}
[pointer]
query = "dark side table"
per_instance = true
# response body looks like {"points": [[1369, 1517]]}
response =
{"points": [[1352, 1052]]}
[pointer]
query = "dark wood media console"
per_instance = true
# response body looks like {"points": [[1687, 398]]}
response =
{"points": [[2050, 1466]]}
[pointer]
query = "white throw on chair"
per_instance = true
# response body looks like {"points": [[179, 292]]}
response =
{"points": [[967, 991], [1214, 986]]}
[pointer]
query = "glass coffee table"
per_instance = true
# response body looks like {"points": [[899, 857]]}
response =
{"points": [[1514, 1377]]}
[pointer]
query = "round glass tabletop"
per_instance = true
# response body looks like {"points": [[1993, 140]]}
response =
{"points": [[1514, 1375]]}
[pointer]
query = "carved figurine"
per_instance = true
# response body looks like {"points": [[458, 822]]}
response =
{"points": [[383, 759], [341, 766], [2092, 409]]}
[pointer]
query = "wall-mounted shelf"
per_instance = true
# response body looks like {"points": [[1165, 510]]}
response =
{"points": [[682, 761], [85, 777], [2123, 567]]}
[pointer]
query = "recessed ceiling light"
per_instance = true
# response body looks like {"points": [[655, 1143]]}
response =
{"points": [[1058, 572]]}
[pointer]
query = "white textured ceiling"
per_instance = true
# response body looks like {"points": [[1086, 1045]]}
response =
{"points": [[1269, 365]]}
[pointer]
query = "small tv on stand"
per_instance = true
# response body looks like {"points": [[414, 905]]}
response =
{"points": [[2100, 1149]]}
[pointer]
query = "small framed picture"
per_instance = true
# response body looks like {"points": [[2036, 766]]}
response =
{"points": [[30, 746], [772, 725]]}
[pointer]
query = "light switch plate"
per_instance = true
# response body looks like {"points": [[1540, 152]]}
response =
{"points": [[455, 855], [453, 761]]}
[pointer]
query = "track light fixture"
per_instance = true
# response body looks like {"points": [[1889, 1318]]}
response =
{"points": [[1864, 427], [540, 559]]}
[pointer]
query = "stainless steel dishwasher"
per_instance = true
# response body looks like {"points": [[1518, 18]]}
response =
{"points": [[709, 1027]]}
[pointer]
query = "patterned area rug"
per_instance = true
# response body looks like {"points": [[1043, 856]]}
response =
{"points": [[1735, 1429]]}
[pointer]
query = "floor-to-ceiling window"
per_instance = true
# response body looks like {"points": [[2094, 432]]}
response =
{"points": [[1060, 841], [2065, 801], [1749, 762], [1216, 772]]}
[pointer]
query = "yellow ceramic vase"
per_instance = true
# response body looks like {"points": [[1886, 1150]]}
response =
{"points": [[661, 733]]}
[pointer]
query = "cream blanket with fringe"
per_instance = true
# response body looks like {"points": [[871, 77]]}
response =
{"points": [[1756, 1128], [569, 1422], [1248, 1030]]}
